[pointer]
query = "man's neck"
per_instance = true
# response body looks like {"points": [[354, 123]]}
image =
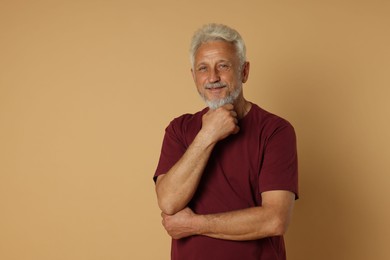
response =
{"points": [[242, 108]]}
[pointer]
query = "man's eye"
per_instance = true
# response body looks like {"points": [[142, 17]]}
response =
{"points": [[224, 66], [202, 69]]}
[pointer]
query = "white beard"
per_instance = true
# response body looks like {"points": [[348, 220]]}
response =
{"points": [[214, 104]]}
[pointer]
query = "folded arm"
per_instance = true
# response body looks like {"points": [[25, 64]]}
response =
{"points": [[177, 187], [270, 219]]}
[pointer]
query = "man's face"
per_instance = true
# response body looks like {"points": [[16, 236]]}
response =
{"points": [[217, 73]]}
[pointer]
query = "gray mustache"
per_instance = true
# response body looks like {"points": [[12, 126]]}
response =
{"points": [[215, 85]]}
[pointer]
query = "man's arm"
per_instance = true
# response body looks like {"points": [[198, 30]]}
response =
{"points": [[177, 187], [270, 219]]}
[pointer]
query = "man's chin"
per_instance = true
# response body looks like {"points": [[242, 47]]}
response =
{"points": [[218, 102], [214, 104]]}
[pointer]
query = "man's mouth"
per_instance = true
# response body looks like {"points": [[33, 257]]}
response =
{"points": [[217, 85]]}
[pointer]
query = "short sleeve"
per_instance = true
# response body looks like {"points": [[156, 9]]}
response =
{"points": [[173, 148], [279, 170]]}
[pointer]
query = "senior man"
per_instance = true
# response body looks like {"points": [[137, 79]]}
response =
{"points": [[227, 177]]}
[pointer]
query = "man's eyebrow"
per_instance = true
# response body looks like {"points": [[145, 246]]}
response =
{"points": [[206, 63]]}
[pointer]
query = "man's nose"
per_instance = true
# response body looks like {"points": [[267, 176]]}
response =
{"points": [[214, 76]]}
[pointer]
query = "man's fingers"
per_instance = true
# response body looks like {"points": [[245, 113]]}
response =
{"points": [[228, 106], [233, 113]]}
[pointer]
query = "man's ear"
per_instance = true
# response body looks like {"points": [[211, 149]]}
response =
{"points": [[193, 74], [245, 72]]}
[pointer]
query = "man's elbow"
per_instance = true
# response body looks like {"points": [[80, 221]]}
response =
{"points": [[167, 207], [279, 227], [164, 202]]}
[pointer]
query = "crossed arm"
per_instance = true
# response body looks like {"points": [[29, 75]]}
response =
{"points": [[176, 188], [271, 219]]}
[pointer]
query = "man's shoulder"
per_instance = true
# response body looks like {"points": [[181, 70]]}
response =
{"points": [[189, 118], [264, 117], [186, 124]]}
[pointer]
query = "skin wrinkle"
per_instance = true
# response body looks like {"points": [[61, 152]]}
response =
{"points": [[219, 67]]}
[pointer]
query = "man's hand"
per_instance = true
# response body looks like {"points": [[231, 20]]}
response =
{"points": [[220, 123], [179, 225], [176, 188]]}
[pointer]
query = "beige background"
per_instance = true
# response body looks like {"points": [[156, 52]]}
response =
{"points": [[87, 88]]}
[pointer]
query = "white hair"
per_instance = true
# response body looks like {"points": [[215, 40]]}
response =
{"points": [[217, 32]]}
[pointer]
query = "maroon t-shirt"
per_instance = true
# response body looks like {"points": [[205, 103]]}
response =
{"points": [[261, 157]]}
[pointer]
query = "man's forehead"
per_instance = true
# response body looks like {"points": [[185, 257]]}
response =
{"points": [[213, 49]]}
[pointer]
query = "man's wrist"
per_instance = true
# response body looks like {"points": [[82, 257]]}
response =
{"points": [[200, 223], [203, 140]]}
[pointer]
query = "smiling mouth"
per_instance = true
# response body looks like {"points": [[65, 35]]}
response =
{"points": [[216, 88], [212, 86]]}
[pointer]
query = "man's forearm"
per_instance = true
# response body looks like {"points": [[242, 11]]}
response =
{"points": [[177, 187], [270, 219], [246, 224]]}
